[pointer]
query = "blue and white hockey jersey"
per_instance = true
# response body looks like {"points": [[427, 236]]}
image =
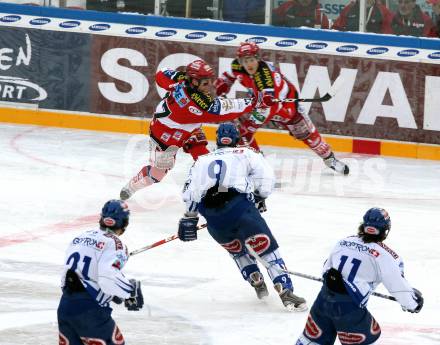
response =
{"points": [[365, 265], [97, 257], [229, 167]]}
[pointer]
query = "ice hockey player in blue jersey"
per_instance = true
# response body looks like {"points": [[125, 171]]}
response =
{"points": [[92, 278], [228, 188], [355, 267]]}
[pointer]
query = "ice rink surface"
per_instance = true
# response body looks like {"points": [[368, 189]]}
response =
{"points": [[55, 181]]}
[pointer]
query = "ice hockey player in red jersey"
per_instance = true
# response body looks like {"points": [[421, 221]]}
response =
{"points": [[259, 76], [178, 119]]}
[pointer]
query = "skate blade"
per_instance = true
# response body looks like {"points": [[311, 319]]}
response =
{"points": [[263, 295], [301, 307]]}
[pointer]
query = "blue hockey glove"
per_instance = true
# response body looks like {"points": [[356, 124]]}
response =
{"points": [[260, 203], [188, 228], [136, 300], [419, 299]]}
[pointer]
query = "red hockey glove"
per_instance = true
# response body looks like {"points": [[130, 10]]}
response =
{"points": [[263, 100], [268, 100], [197, 138], [223, 84]]}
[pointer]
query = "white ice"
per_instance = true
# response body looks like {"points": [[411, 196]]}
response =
{"points": [[53, 183]]}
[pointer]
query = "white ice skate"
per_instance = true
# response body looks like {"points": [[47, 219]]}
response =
{"points": [[291, 301], [126, 192], [257, 282], [333, 163]]}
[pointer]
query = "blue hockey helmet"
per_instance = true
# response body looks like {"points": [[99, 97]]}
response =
{"points": [[227, 135], [115, 215], [377, 222]]}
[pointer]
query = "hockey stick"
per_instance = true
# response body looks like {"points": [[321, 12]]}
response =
{"points": [[331, 93], [324, 98], [159, 243], [302, 275]]}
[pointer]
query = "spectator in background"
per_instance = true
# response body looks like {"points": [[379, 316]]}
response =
{"points": [[199, 8], [296, 13], [411, 20], [435, 32], [244, 11], [378, 18]]}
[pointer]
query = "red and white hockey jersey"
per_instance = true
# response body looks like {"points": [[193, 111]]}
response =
{"points": [[184, 109], [268, 79]]}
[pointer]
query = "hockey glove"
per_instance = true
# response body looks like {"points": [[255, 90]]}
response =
{"points": [[268, 100], [260, 203], [197, 137], [223, 84], [188, 228], [419, 300], [117, 300], [263, 100], [136, 300]]}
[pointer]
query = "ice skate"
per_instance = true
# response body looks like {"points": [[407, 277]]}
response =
{"points": [[291, 301], [257, 282], [126, 192], [333, 163]]}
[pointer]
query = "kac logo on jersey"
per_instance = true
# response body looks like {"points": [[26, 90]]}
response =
{"points": [[257, 39], [226, 37], [70, 24], [10, 19], [377, 50], [136, 30], [434, 56], [195, 111], [408, 52], [286, 43], [316, 45], [99, 27], [39, 21], [196, 35], [166, 33], [346, 49]]}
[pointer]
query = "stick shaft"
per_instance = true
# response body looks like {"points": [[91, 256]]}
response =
{"points": [[159, 243], [302, 275]]}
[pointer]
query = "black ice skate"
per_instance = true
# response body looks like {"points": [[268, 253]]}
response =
{"points": [[333, 163], [257, 282], [291, 301]]}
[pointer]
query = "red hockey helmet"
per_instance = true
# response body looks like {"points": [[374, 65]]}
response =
{"points": [[248, 49], [199, 69]]}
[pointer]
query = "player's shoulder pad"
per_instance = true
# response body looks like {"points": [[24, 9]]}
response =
{"points": [[236, 66], [118, 243], [270, 65], [388, 250], [203, 101]]}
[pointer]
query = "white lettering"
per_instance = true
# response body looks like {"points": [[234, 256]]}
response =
{"points": [[7, 91], [318, 79], [23, 58], [5, 58], [138, 82], [373, 107], [173, 61], [290, 72], [20, 90], [431, 119]]}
